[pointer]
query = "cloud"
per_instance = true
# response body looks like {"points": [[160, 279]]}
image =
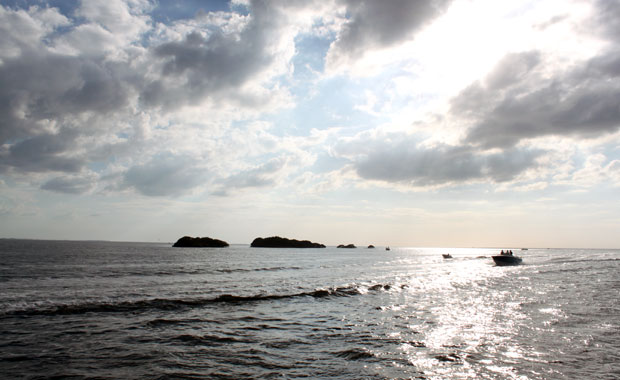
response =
{"points": [[261, 176], [122, 18], [511, 69], [66, 82], [528, 95], [70, 184], [607, 19], [613, 169], [223, 60], [523, 103], [166, 174], [48, 102], [43, 87], [42, 81], [23, 28], [106, 86], [408, 162], [531, 94], [42, 153], [375, 25], [109, 28]]}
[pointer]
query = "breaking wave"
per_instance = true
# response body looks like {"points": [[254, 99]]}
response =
{"points": [[177, 304]]}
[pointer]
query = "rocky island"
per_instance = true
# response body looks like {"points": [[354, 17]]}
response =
{"points": [[199, 242], [280, 242], [346, 246]]}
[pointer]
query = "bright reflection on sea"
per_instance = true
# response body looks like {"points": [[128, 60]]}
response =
{"points": [[469, 317]]}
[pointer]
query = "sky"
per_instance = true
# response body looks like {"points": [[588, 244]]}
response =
{"points": [[440, 123]]}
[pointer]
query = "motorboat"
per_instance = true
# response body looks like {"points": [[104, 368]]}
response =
{"points": [[505, 259], [387, 248], [446, 255]]}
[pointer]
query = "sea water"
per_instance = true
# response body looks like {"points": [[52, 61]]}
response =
{"points": [[138, 310]]}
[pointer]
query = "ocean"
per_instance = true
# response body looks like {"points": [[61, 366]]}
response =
{"points": [[108, 310]]}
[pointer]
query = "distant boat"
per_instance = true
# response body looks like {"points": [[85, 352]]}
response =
{"points": [[446, 255], [505, 259], [387, 248], [524, 249]]}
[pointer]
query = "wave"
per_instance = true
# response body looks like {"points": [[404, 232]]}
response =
{"points": [[146, 272], [268, 269], [177, 304], [355, 354], [209, 340], [165, 322], [593, 260], [178, 272]]}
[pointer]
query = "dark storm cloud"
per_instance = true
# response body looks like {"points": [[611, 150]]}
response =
{"points": [[165, 175], [380, 24], [442, 165]]}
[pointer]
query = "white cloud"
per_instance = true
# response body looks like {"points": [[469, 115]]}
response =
{"points": [[613, 170], [26, 28], [123, 19], [596, 170]]}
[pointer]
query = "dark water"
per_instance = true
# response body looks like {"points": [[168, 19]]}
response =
{"points": [[127, 310]]}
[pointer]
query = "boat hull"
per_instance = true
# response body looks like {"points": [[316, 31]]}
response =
{"points": [[505, 260]]}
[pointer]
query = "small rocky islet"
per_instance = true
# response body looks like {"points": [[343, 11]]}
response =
{"points": [[280, 242], [199, 242], [346, 246]]}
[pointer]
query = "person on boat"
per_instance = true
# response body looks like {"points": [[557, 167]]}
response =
{"points": [[502, 253]]}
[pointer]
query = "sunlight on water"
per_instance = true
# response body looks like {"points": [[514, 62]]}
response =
{"points": [[472, 319]]}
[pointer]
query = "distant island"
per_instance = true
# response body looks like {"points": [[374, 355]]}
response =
{"points": [[371, 246], [199, 242], [280, 242], [346, 246]]}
